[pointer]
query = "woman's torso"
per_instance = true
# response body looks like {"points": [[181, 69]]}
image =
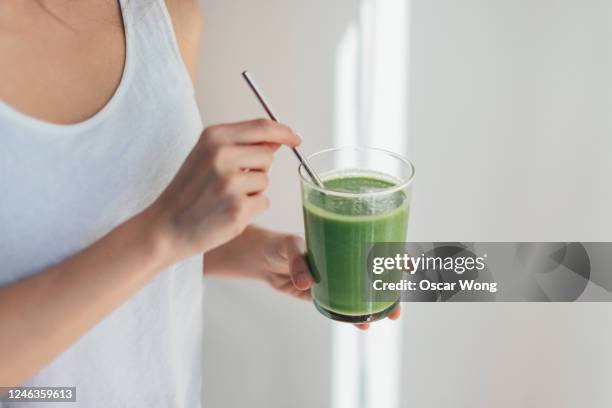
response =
{"points": [[65, 186]]}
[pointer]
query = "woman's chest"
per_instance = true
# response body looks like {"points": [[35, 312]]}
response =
{"points": [[66, 66]]}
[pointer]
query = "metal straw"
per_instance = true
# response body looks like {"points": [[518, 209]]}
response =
{"points": [[247, 76]]}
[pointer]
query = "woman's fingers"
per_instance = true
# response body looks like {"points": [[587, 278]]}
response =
{"points": [[250, 182], [254, 157], [230, 159], [256, 204], [395, 314], [300, 275], [294, 250], [273, 146], [283, 283], [254, 131]]}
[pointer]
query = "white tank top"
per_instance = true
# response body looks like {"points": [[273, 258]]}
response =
{"points": [[65, 186]]}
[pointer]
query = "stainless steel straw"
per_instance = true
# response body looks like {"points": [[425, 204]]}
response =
{"points": [[247, 76]]}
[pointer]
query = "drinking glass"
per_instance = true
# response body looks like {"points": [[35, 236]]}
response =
{"points": [[366, 200]]}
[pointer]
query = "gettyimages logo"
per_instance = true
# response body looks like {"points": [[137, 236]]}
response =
{"points": [[414, 264], [485, 272]]}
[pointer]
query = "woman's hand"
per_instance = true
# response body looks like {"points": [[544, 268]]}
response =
{"points": [[270, 256], [274, 257], [218, 190]]}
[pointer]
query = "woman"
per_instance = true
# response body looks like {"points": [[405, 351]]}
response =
{"points": [[102, 227]]}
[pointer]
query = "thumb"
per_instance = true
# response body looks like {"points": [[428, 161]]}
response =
{"points": [[294, 249]]}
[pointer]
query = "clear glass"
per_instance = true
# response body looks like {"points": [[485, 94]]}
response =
{"points": [[366, 200]]}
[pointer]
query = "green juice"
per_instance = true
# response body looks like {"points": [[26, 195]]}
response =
{"points": [[338, 230]]}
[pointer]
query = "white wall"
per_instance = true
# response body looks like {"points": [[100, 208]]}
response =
{"points": [[510, 119], [510, 133], [509, 129]]}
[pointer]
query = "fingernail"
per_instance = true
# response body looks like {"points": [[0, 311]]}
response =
{"points": [[303, 280]]}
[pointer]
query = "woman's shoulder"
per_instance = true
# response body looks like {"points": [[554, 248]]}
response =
{"points": [[186, 12], [187, 20]]}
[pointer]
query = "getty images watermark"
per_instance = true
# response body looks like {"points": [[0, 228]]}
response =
{"points": [[489, 272]]}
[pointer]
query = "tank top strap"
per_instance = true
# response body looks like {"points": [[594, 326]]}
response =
{"points": [[150, 33]]}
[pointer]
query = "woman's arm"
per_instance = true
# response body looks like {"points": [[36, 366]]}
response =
{"points": [[43, 315], [210, 201]]}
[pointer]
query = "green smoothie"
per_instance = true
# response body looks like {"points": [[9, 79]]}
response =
{"points": [[338, 229]]}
